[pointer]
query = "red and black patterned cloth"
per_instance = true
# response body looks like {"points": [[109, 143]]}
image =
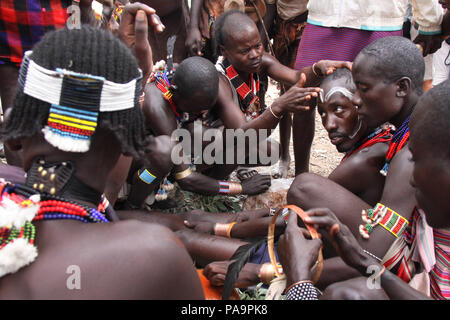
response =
{"points": [[24, 22]]}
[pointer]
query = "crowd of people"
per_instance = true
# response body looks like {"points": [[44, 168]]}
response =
{"points": [[93, 121]]}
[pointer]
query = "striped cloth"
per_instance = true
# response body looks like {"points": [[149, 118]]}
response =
{"points": [[344, 44], [440, 274], [424, 245]]}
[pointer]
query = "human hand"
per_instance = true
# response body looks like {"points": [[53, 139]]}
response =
{"points": [[200, 226], [296, 252], [343, 240], [428, 43], [193, 42], [256, 184], [326, 67], [133, 31], [296, 98], [216, 272]]}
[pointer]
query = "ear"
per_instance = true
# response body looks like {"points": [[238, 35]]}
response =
{"points": [[404, 86], [223, 51]]}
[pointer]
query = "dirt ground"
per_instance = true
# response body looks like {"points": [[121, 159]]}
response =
{"points": [[324, 156]]}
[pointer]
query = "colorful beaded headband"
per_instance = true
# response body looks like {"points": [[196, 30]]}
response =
{"points": [[76, 99]]}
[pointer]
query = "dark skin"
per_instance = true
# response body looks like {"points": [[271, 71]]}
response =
{"points": [[72, 239], [340, 119], [378, 102], [429, 164], [244, 50]]}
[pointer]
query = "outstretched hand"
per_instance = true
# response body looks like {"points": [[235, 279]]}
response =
{"points": [[133, 31], [428, 44], [193, 42], [297, 252], [296, 99]]}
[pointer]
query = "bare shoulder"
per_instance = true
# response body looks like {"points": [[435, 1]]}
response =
{"points": [[123, 260], [372, 155]]}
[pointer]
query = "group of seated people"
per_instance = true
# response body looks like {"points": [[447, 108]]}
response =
{"points": [[90, 114]]}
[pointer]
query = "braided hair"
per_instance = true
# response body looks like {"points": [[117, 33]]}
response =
{"points": [[90, 51]]}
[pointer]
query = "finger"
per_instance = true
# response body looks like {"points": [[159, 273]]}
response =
{"points": [[141, 29], [133, 8], [301, 82], [189, 224], [155, 21]]}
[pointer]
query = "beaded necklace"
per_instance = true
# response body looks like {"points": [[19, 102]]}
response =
{"points": [[19, 207], [251, 105], [381, 134], [398, 141], [163, 84]]}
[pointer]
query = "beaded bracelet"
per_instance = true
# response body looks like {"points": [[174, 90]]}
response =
{"points": [[302, 290]]}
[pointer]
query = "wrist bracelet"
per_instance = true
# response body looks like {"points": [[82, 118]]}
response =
{"points": [[183, 174], [302, 290], [313, 69], [230, 188], [223, 229], [273, 113]]}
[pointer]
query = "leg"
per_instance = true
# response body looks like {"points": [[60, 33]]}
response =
{"points": [[303, 135], [8, 86], [310, 191], [147, 178], [285, 139], [353, 289]]}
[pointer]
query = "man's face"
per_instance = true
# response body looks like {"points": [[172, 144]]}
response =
{"points": [[430, 178], [375, 97], [244, 49], [339, 117]]}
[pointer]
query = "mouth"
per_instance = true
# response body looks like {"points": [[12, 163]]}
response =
{"points": [[357, 128], [256, 64], [336, 139]]}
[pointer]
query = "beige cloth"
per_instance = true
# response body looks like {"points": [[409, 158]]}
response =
{"points": [[288, 9]]}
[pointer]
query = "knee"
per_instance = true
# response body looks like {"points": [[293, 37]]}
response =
{"points": [[339, 291], [160, 157], [302, 188]]}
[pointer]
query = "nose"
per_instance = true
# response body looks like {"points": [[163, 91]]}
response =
{"points": [[330, 123], [356, 100]]}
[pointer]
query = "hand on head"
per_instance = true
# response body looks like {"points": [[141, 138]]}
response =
{"points": [[327, 67], [133, 31]]}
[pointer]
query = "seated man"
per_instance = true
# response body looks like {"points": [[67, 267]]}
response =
{"points": [[386, 93], [63, 187], [242, 62], [424, 242], [388, 75]]}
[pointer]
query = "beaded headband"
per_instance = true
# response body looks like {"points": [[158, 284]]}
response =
{"points": [[76, 99]]}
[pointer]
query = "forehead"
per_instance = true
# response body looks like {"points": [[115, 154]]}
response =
{"points": [[242, 35], [365, 68]]}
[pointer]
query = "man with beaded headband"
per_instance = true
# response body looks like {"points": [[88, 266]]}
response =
{"points": [[65, 186]]}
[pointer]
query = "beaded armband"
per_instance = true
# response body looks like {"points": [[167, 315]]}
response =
{"points": [[384, 216], [146, 176]]}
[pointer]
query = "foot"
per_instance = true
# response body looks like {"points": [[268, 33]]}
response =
{"points": [[283, 169], [243, 174]]}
